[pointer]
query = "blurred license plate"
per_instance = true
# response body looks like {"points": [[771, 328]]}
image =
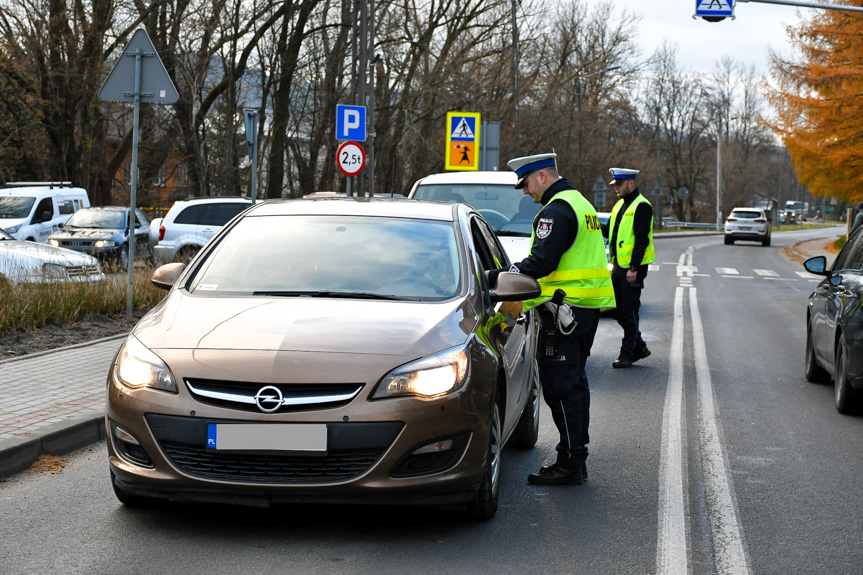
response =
{"points": [[745, 228], [267, 436]]}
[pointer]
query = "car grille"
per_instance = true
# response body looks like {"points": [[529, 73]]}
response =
{"points": [[76, 243], [82, 271], [241, 395], [251, 468]]}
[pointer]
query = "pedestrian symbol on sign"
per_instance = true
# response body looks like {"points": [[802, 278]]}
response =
{"points": [[462, 131]]}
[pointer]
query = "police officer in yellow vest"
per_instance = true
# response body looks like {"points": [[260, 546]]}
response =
{"points": [[567, 258], [630, 231]]}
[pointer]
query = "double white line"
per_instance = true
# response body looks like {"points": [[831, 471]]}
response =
{"points": [[672, 556]]}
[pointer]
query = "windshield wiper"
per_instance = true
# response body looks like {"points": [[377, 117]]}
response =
{"points": [[334, 294], [515, 234]]}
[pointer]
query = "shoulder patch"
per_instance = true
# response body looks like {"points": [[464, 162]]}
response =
{"points": [[543, 228]]}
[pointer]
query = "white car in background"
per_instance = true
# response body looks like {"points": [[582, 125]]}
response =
{"points": [[190, 224], [23, 262], [750, 224], [508, 211]]}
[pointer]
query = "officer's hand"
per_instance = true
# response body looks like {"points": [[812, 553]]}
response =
{"points": [[631, 276]]}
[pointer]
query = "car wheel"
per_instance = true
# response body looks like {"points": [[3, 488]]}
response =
{"points": [[846, 397], [728, 241], [765, 241], [128, 499], [527, 430], [485, 504], [185, 255], [123, 257], [814, 372]]}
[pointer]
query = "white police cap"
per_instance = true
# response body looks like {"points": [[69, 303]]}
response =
{"points": [[525, 165], [620, 174]]}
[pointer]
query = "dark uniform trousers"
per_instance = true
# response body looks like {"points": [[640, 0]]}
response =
{"points": [[628, 299], [564, 381]]}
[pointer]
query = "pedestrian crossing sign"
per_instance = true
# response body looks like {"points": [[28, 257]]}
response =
{"points": [[714, 10], [462, 141]]}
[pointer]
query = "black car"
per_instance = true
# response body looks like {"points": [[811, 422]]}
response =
{"points": [[834, 324], [104, 233]]}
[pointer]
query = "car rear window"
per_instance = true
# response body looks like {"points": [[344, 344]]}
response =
{"points": [[503, 207], [748, 214], [321, 255], [220, 214]]}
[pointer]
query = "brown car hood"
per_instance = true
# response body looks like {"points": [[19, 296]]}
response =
{"points": [[306, 324]]}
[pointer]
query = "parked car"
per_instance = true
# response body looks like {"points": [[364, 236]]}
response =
{"points": [[33, 210], [23, 262], [104, 233], [190, 224], [750, 224], [372, 363], [834, 324]]}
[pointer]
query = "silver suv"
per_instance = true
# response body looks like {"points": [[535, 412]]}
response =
{"points": [[752, 224], [189, 224]]}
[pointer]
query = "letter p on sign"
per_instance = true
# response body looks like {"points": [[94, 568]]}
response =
{"points": [[351, 123]]}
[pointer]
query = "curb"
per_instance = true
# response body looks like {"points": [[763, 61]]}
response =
{"points": [[64, 348], [17, 455]]}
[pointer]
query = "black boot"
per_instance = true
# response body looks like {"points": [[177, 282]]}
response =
{"points": [[623, 360], [556, 475]]}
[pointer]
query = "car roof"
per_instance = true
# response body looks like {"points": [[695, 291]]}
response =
{"points": [[211, 199], [104, 208], [503, 177], [341, 206], [744, 208]]}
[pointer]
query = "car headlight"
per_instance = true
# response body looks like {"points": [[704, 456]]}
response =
{"points": [[430, 376], [54, 271], [139, 367], [54, 243], [105, 244], [13, 229]]}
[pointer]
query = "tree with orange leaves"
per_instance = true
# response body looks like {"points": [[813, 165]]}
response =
{"points": [[819, 103]]}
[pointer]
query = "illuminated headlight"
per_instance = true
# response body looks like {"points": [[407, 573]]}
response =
{"points": [[428, 377], [54, 271], [137, 366], [105, 244], [55, 243]]}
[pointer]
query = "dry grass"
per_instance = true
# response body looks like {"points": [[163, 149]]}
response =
{"points": [[48, 463], [32, 306]]}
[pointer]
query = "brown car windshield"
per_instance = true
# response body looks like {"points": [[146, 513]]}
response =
{"points": [[334, 257]]}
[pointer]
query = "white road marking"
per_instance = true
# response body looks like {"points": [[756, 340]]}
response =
{"points": [[740, 277], [653, 267], [782, 279], [807, 275], [672, 543], [727, 271], [728, 549], [767, 273]]}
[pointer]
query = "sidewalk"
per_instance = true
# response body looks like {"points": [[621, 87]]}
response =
{"points": [[53, 402]]}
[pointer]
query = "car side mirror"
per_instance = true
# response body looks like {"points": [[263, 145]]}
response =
{"points": [[167, 275], [514, 287], [816, 265]]}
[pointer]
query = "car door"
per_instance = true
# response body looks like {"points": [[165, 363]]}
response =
{"points": [[142, 233], [510, 335], [828, 300]]}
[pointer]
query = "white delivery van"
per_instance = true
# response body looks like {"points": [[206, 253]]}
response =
{"points": [[32, 210]]}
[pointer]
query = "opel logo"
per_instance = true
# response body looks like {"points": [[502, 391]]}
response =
{"points": [[269, 399]]}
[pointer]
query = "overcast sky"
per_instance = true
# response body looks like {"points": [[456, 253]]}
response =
{"points": [[700, 44]]}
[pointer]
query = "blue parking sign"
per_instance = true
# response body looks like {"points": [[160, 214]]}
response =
{"points": [[351, 123]]}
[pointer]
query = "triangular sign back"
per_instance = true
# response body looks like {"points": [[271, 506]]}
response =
{"points": [[156, 86]]}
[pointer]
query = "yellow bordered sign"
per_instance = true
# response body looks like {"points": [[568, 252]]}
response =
{"points": [[462, 141]]}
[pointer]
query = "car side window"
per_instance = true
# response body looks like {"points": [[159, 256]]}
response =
{"points": [[852, 251], [486, 258], [142, 218], [46, 205], [65, 207], [497, 252], [190, 215], [219, 214]]}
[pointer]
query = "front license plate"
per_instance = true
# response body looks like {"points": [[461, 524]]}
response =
{"points": [[267, 436]]}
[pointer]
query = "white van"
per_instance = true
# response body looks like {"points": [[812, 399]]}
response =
{"points": [[32, 210]]}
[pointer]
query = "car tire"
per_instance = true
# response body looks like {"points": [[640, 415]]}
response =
{"points": [[728, 241], [128, 499], [485, 504], [526, 432], [814, 372], [845, 395], [766, 241], [123, 257]]}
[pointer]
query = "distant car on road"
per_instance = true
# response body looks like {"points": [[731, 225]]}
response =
{"points": [[750, 224], [834, 324], [335, 350], [104, 233], [23, 262], [190, 224]]}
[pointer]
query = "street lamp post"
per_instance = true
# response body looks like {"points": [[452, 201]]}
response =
{"points": [[719, 176]]}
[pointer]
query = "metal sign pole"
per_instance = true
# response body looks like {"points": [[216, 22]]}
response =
{"points": [[136, 107]]}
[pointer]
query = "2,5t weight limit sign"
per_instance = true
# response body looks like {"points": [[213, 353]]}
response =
{"points": [[351, 158]]}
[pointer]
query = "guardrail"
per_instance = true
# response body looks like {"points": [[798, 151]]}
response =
{"points": [[691, 225]]}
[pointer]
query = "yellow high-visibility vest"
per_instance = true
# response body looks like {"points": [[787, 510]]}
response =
{"points": [[625, 237]]}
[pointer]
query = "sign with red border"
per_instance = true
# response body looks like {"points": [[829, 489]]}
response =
{"points": [[351, 158]]}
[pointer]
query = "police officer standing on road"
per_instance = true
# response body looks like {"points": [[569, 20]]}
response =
{"points": [[567, 258], [630, 232]]}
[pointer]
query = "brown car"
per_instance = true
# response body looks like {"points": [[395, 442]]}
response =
{"points": [[329, 350]]}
